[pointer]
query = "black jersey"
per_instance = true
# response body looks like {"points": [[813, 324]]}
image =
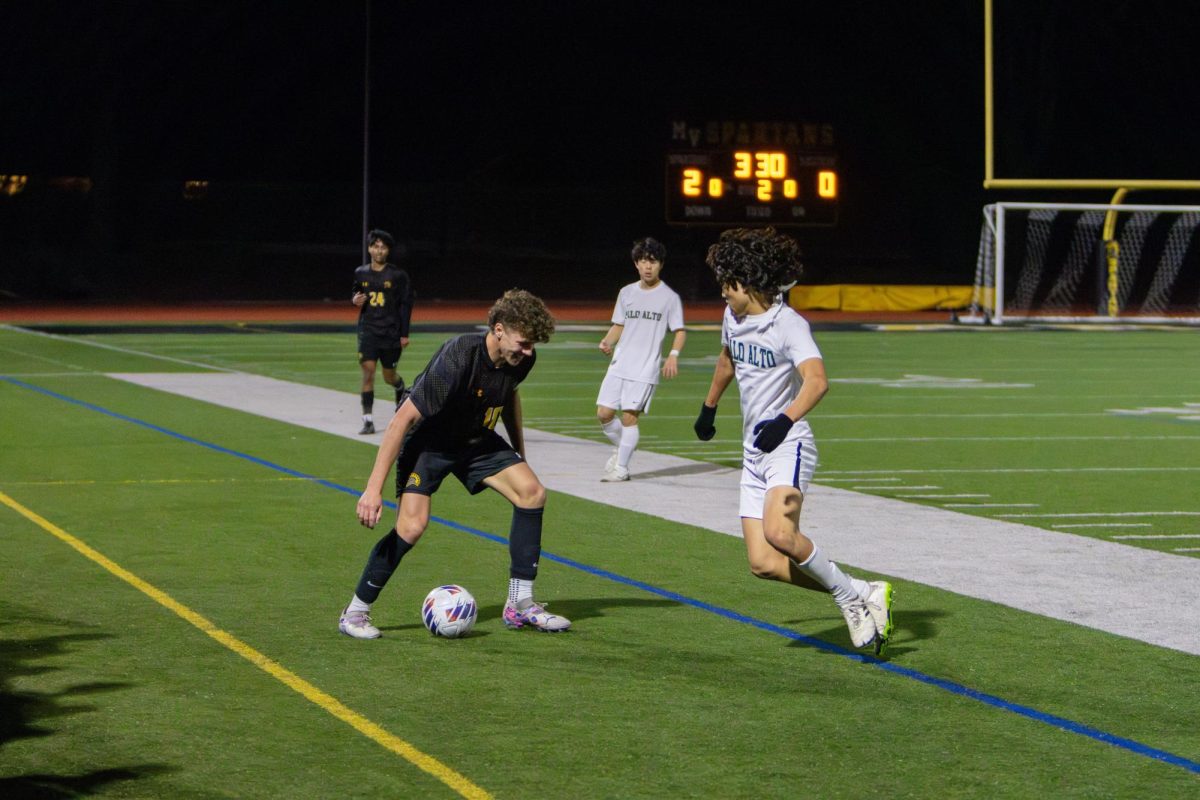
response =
{"points": [[388, 309], [461, 393]]}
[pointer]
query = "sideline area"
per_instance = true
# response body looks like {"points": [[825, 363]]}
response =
{"points": [[1102, 585]]}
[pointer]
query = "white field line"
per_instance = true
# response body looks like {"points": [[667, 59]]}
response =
{"points": [[1158, 536], [126, 350], [1078, 514], [937, 496], [1114, 587], [991, 505], [869, 439], [1104, 525]]}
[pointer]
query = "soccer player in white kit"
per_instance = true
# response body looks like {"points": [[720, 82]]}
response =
{"points": [[643, 314], [769, 348]]}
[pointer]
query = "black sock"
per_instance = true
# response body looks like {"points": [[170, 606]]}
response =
{"points": [[401, 392], [525, 542], [368, 401], [385, 557]]}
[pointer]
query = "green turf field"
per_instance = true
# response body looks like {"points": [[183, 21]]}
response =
{"points": [[171, 574]]}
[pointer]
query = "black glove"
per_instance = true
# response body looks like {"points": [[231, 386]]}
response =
{"points": [[772, 433], [704, 427]]}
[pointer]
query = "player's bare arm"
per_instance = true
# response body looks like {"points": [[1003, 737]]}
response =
{"points": [[722, 377], [670, 366], [510, 415], [813, 388], [358, 298], [610, 339], [370, 504], [723, 374]]}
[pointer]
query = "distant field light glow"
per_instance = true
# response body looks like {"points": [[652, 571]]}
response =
{"points": [[13, 184]]}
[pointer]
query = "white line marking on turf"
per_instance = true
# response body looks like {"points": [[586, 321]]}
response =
{"points": [[1158, 536], [126, 350], [1105, 525], [1112, 514], [869, 439], [991, 505], [1115, 587], [938, 496], [1007, 470]]}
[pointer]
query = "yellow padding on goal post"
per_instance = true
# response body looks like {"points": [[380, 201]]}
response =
{"points": [[865, 297]]}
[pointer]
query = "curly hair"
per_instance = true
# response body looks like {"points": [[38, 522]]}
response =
{"points": [[522, 311], [760, 259], [649, 248]]}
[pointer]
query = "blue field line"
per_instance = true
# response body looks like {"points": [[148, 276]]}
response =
{"points": [[949, 686]]}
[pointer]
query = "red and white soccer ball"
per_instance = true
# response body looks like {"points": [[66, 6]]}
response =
{"points": [[449, 611]]}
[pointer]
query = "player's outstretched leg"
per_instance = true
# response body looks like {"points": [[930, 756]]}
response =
{"points": [[879, 606], [525, 547]]}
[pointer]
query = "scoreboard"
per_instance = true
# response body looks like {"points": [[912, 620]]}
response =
{"points": [[751, 173]]}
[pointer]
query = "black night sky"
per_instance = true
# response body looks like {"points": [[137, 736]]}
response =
{"points": [[525, 141]]}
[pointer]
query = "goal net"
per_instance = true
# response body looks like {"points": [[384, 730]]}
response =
{"points": [[1078, 262]]}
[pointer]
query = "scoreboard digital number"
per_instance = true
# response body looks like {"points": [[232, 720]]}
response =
{"points": [[751, 183]]}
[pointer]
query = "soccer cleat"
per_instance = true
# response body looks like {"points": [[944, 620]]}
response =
{"points": [[616, 475], [535, 616], [879, 606], [860, 623], [611, 464], [368, 427], [357, 624]]}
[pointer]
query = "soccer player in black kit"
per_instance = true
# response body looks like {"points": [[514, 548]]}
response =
{"points": [[444, 427], [383, 294]]}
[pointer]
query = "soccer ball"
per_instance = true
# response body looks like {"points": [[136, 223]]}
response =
{"points": [[449, 611]]}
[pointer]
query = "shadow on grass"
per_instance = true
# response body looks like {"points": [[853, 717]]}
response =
{"points": [[576, 609], [910, 626], [24, 712], [573, 609]]}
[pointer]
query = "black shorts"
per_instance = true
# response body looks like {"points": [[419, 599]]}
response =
{"points": [[378, 348], [421, 470]]}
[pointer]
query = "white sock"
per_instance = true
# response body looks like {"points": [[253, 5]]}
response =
{"points": [[358, 605], [518, 590], [368, 418], [612, 429], [629, 443], [862, 587], [827, 573]]}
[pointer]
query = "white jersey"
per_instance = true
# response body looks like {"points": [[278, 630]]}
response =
{"points": [[647, 315], [766, 348]]}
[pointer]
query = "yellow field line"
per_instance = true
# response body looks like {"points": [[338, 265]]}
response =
{"points": [[371, 730]]}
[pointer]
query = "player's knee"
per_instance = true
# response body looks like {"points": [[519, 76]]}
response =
{"points": [[629, 419], [531, 495], [605, 415], [410, 529], [763, 569], [779, 534]]}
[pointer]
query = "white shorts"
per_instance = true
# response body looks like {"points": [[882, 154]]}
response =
{"points": [[623, 395], [790, 464]]}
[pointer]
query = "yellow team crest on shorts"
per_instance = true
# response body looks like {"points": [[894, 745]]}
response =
{"points": [[414, 480]]}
